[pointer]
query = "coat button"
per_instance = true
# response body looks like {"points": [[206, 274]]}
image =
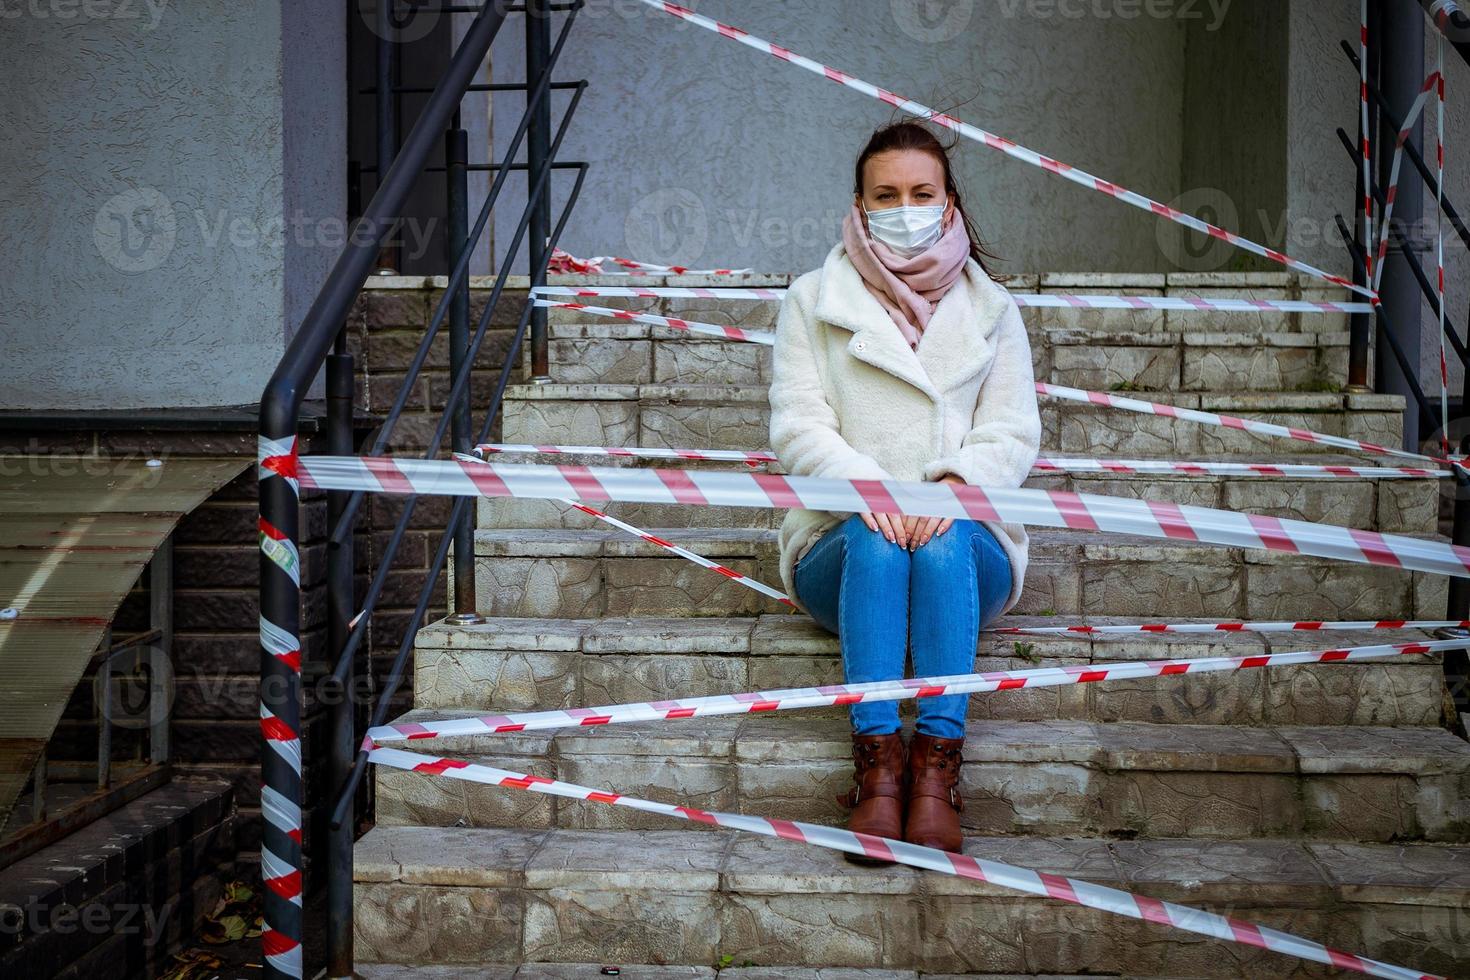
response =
{"points": [[860, 345]]}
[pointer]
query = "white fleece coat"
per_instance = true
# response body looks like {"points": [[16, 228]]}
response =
{"points": [[850, 399]]}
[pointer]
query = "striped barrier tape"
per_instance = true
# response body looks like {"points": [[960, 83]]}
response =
{"points": [[700, 560], [1061, 391], [1044, 464], [1444, 370], [1041, 884], [1023, 300], [1008, 147], [565, 262], [685, 553], [281, 775], [1237, 627], [640, 452], [674, 323], [843, 695], [1232, 422], [669, 546], [1045, 508], [1365, 140], [1391, 191]]}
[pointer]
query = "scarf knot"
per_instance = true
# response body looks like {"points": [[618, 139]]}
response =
{"points": [[907, 289]]}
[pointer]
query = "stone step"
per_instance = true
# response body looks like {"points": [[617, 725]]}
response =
{"points": [[429, 896], [1400, 506], [596, 573], [1059, 777], [531, 664], [612, 352], [738, 417], [596, 971], [761, 315]]}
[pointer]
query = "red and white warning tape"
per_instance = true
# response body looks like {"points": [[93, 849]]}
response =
{"points": [[1044, 464], [842, 695], [1006, 146], [1071, 394], [713, 329], [1391, 191], [1230, 422], [698, 559], [1238, 627], [641, 452], [1444, 370], [1089, 512], [1040, 884], [1365, 140], [566, 262], [1023, 300]]}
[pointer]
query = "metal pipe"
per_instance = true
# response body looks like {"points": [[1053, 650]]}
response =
{"points": [[538, 150], [104, 714], [280, 588], [477, 87], [1450, 18], [161, 618], [342, 708], [387, 110], [38, 789], [456, 244], [1401, 61]]}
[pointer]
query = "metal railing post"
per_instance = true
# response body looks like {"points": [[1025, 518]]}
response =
{"points": [[1401, 63], [342, 710], [161, 618], [456, 241], [387, 112], [538, 150]]}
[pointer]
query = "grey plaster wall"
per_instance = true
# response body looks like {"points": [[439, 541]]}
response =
{"points": [[704, 151], [156, 156], [1235, 136]]}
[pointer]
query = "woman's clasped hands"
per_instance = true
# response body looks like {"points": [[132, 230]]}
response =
{"points": [[909, 531]]}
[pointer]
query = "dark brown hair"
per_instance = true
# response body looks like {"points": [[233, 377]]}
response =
{"points": [[910, 135]]}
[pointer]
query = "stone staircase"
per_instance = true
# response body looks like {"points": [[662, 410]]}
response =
{"points": [[1326, 800]]}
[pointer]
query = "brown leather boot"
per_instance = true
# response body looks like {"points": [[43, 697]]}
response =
{"points": [[934, 798], [878, 798]]}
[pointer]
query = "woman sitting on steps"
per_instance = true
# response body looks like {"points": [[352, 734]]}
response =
{"points": [[903, 359]]}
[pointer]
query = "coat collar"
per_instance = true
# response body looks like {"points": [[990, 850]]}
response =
{"points": [[957, 343]]}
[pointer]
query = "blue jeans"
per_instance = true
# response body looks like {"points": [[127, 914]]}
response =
{"points": [[881, 600]]}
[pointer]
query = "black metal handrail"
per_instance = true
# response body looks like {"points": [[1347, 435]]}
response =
{"points": [[321, 340], [1390, 62], [1431, 183]]}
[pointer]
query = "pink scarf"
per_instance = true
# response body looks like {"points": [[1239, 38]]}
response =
{"points": [[908, 289]]}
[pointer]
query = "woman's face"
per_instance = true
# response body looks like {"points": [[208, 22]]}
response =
{"points": [[903, 178]]}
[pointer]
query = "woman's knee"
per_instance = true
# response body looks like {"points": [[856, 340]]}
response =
{"points": [[947, 549]]}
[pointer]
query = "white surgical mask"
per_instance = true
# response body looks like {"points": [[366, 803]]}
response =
{"points": [[908, 230]]}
